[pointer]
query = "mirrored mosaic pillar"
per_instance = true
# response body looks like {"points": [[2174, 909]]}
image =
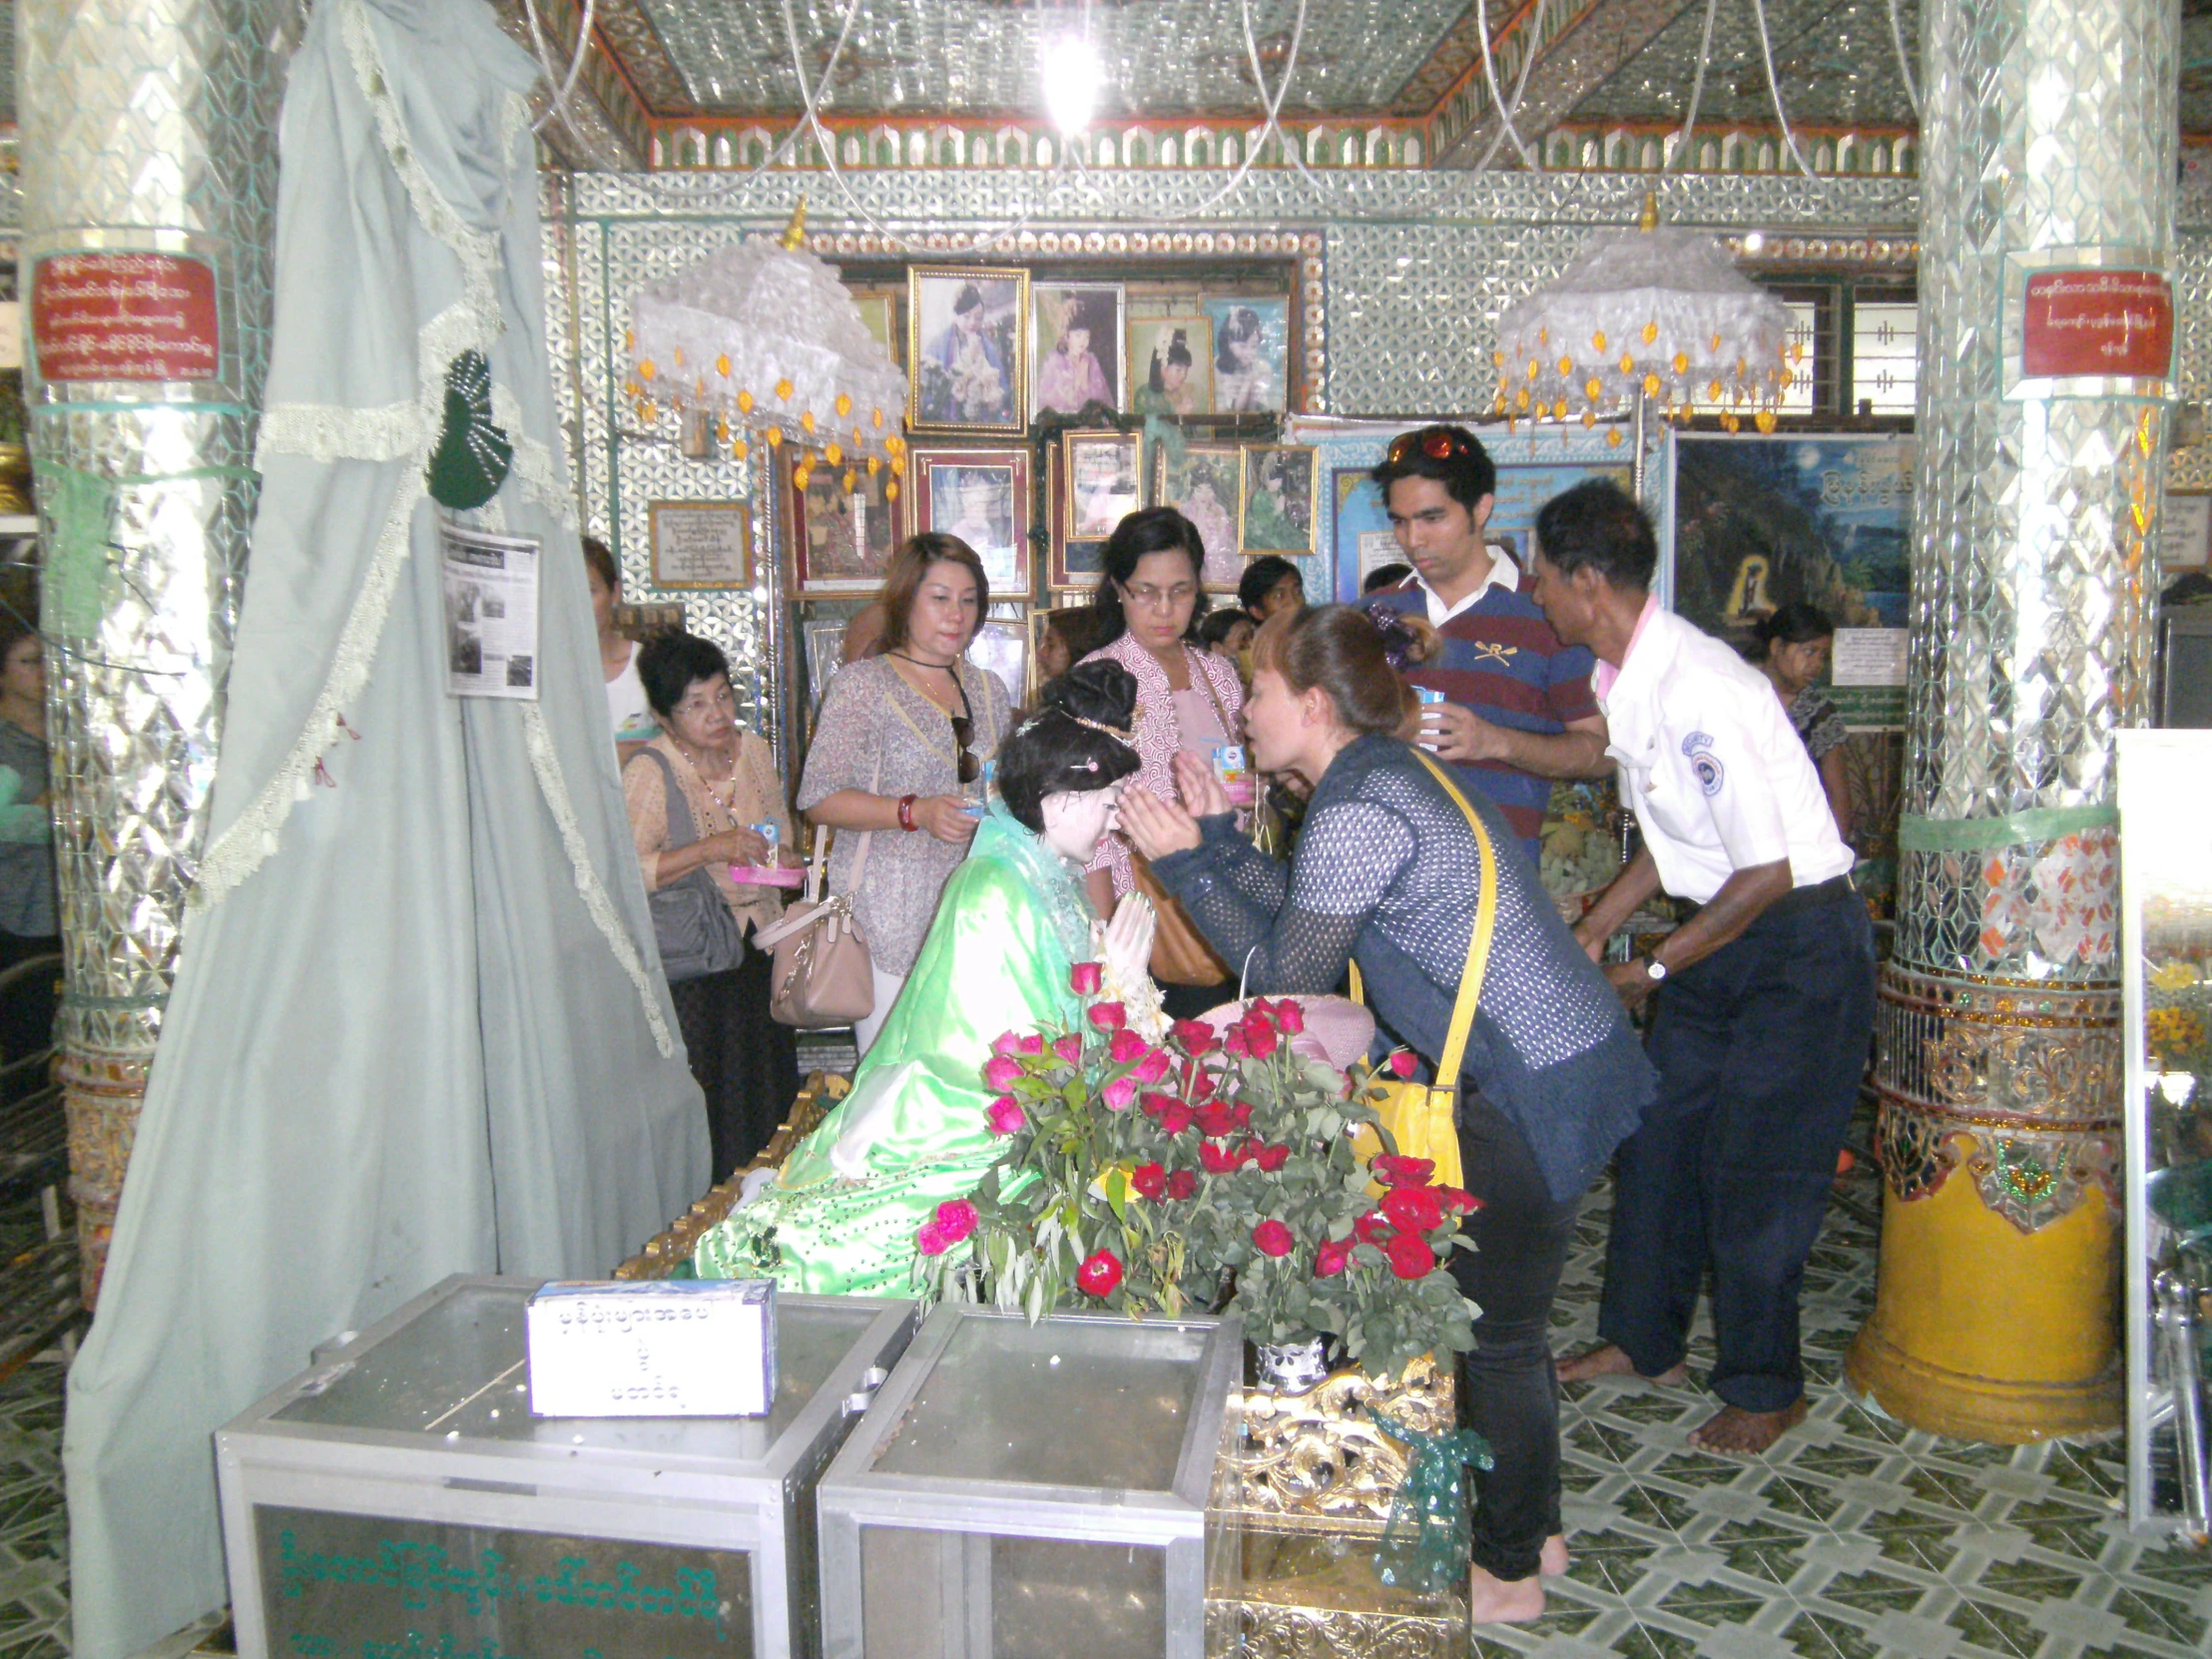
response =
{"points": [[149, 186], [2047, 185]]}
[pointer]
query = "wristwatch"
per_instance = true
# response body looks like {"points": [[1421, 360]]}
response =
{"points": [[1654, 969]]}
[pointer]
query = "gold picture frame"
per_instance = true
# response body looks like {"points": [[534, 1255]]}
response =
{"points": [[701, 545], [967, 376], [1278, 483]]}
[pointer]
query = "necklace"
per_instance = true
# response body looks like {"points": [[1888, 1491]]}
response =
{"points": [[724, 796]]}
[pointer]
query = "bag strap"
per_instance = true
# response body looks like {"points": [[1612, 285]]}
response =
{"points": [[673, 806], [1479, 938]]}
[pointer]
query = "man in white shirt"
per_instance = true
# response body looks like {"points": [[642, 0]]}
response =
{"points": [[1764, 997]]}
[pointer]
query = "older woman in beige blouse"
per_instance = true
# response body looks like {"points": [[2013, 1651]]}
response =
{"points": [[747, 1064]]}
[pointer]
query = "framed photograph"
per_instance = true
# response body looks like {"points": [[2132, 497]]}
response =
{"points": [[1275, 497], [1359, 529], [1171, 366], [1251, 351], [981, 496], [1075, 343], [1202, 486], [701, 544], [824, 642], [2186, 530], [965, 368], [1076, 565], [1102, 481], [840, 542], [1003, 648], [880, 313]]}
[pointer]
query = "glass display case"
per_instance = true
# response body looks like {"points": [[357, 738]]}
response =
{"points": [[2165, 800], [398, 1497], [1024, 1489]]}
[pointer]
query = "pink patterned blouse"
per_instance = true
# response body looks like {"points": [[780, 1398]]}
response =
{"points": [[1159, 733]]}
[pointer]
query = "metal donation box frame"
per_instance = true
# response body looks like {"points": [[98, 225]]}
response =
{"points": [[1031, 1490], [399, 1499]]}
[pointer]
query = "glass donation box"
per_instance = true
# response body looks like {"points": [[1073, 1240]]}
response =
{"points": [[397, 1500], [1031, 1490]]}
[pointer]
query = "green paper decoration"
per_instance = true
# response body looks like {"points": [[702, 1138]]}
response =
{"points": [[472, 456], [1426, 1540]]}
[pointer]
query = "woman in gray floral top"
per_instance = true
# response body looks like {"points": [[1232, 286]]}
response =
{"points": [[898, 755]]}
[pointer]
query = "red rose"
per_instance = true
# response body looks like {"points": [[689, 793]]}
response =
{"points": [[1153, 1068], [1401, 1061], [1250, 1150], [1153, 1102], [1196, 1036], [1272, 1158], [1069, 1048], [1000, 1071], [1176, 1117], [1183, 1184], [1217, 1118], [1393, 1169], [1108, 1016], [1289, 1017], [1272, 1238], [1099, 1274], [1125, 1047], [1236, 1043], [1149, 1181], [1262, 1040], [1085, 978], [1373, 1229], [1458, 1201], [1410, 1257], [1215, 1160], [1332, 1258], [956, 1219], [1413, 1209], [1202, 1086], [1240, 1113]]}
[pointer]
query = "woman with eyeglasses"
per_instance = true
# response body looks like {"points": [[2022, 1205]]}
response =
{"points": [[1188, 700], [898, 753]]}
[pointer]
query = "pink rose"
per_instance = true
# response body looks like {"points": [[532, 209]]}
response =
{"points": [[1006, 1042], [1126, 1047], [1272, 1238], [1334, 1256], [1153, 1067], [1109, 1017], [1006, 1116], [1119, 1093], [1001, 1071], [1289, 1017], [930, 1239], [1401, 1061], [1085, 978], [955, 1219], [1069, 1048], [1033, 1043]]}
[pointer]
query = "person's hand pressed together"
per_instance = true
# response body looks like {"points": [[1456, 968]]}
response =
{"points": [[1128, 942], [1204, 794], [1153, 827]]}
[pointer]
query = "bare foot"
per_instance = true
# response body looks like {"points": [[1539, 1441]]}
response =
{"points": [[1553, 1563], [1609, 1361], [1735, 1432], [1495, 1601]]}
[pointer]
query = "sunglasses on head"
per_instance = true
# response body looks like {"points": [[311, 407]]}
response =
{"points": [[1438, 444]]}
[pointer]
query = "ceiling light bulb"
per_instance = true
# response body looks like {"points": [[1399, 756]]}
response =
{"points": [[1071, 78]]}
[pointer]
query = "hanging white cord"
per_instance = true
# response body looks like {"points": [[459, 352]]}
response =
{"points": [[1272, 106], [1697, 87], [553, 78], [1498, 98], [1521, 88], [1774, 90], [1904, 65]]}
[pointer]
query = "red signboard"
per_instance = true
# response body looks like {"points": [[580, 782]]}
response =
{"points": [[124, 317], [2117, 322]]}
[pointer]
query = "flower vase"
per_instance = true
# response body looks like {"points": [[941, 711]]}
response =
{"points": [[1290, 1368]]}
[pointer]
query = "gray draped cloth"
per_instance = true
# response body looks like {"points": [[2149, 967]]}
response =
{"points": [[419, 1025]]}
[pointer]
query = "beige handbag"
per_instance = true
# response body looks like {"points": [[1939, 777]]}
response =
{"points": [[821, 974]]}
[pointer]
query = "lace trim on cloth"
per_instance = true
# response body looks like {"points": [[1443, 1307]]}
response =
{"points": [[328, 432], [533, 462]]}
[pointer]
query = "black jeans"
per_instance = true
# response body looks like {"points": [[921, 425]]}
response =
{"points": [[1508, 1393], [746, 1064], [1759, 1048]]}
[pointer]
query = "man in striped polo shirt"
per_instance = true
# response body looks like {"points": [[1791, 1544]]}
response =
{"points": [[1517, 711]]}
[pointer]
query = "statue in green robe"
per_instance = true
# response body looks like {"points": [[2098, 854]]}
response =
{"points": [[840, 1216]]}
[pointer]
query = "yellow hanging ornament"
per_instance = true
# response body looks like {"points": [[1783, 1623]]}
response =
{"points": [[1522, 399], [1592, 389], [1498, 357], [649, 412], [1560, 409], [1730, 424], [722, 429], [833, 454], [1765, 420], [858, 440], [873, 463], [629, 339], [745, 402], [646, 370], [775, 436], [1588, 419], [1498, 407], [844, 406], [1716, 343], [850, 479], [1543, 337], [802, 475], [898, 466], [890, 490], [740, 450], [1533, 368], [1682, 362], [1651, 385], [876, 416], [1628, 364], [1613, 438], [1566, 366], [722, 366], [1713, 392], [679, 355], [806, 419], [1651, 332], [784, 390], [1598, 339]]}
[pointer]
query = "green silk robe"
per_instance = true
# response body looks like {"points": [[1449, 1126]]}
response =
{"points": [[839, 1218]]}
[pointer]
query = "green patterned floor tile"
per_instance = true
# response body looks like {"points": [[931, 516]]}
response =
{"points": [[2161, 1616], [1761, 1549], [2031, 1579], [1873, 1592], [1654, 1505], [1914, 1541], [1715, 1602], [1648, 1641], [1999, 1629], [1818, 1637]]}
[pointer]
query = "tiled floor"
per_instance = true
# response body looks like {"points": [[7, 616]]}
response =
{"points": [[1854, 1539]]}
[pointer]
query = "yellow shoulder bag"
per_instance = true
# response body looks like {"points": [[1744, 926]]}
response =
{"points": [[1422, 1118]]}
